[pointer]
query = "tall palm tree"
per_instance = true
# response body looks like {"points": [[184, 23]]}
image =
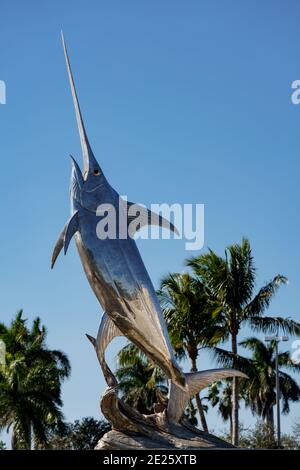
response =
{"points": [[259, 391], [231, 282], [31, 343], [30, 383], [142, 384], [191, 325]]}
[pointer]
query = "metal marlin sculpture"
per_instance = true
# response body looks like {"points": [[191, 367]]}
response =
{"points": [[118, 277]]}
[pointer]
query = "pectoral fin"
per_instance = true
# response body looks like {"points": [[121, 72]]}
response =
{"points": [[64, 239], [147, 217], [58, 246], [71, 228]]}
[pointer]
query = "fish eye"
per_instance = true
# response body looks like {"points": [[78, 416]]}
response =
{"points": [[96, 172]]}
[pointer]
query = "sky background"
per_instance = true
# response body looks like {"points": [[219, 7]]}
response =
{"points": [[186, 102]]}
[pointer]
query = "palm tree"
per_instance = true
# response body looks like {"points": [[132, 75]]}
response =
{"points": [[30, 383], [142, 384], [191, 325], [231, 282], [220, 393], [259, 390]]}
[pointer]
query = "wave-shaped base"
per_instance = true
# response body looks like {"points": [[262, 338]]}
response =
{"points": [[133, 430]]}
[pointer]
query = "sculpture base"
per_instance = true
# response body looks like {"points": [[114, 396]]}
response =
{"points": [[116, 440], [132, 430]]}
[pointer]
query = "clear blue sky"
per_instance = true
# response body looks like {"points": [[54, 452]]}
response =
{"points": [[184, 102]]}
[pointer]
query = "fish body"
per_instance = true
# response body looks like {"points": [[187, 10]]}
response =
{"points": [[117, 274]]}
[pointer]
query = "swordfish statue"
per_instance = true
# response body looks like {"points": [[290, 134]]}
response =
{"points": [[118, 277]]}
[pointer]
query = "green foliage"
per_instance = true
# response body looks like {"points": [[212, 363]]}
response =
{"points": [[81, 435], [30, 383], [261, 436], [190, 314], [296, 431], [220, 395], [2, 445], [191, 413], [192, 320], [258, 390], [141, 383], [230, 283]]}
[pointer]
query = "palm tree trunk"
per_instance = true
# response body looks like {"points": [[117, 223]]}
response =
{"points": [[269, 419], [30, 437], [13, 440], [235, 398], [201, 413], [230, 421], [198, 399]]}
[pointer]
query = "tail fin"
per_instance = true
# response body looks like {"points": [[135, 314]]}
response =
{"points": [[195, 382]]}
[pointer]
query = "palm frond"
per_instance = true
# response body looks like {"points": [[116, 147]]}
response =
{"points": [[262, 300], [274, 325]]}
